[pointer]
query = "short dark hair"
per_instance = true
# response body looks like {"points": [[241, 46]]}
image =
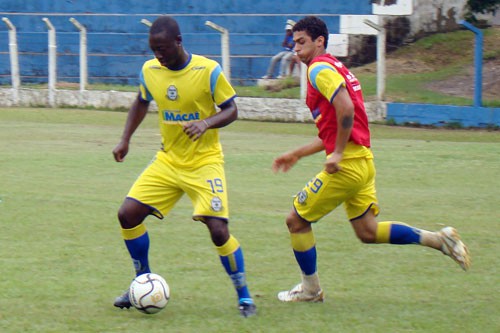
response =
{"points": [[165, 24], [314, 27]]}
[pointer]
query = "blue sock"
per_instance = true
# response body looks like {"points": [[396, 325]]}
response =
{"points": [[137, 242], [231, 257], [304, 249], [397, 233], [307, 260]]}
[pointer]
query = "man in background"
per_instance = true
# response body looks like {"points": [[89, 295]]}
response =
{"points": [[285, 56]]}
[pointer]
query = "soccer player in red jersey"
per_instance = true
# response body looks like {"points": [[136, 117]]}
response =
{"points": [[335, 99]]}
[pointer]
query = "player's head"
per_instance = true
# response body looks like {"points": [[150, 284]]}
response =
{"points": [[311, 38], [165, 41]]}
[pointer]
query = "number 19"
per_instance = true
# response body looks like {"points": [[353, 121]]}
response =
{"points": [[216, 185]]}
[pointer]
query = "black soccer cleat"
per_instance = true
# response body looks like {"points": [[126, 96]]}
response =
{"points": [[123, 301], [247, 308]]}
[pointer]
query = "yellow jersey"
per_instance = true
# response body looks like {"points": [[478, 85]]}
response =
{"points": [[190, 93]]}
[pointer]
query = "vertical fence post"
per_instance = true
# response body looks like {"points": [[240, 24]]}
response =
{"points": [[381, 45], [52, 61], [14, 59], [478, 63], [83, 55], [226, 66]]}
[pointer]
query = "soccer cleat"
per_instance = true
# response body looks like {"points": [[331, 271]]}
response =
{"points": [[247, 307], [122, 301], [298, 294], [454, 247]]}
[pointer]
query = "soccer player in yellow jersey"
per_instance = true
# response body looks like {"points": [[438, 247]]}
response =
{"points": [[186, 88], [348, 177]]}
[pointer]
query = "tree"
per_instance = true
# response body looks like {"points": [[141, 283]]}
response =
{"points": [[480, 7], [483, 6]]}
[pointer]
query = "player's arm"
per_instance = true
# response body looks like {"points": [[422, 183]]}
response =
{"points": [[135, 116], [227, 114], [344, 109], [286, 161], [331, 84]]}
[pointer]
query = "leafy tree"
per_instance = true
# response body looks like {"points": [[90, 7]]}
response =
{"points": [[480, 7], [483, 6]]}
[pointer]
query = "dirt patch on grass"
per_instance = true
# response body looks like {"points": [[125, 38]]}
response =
{"points": [[456, 50], [463, 85]]}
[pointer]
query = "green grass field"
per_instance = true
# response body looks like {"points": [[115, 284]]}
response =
{"points": [[63, 260]]}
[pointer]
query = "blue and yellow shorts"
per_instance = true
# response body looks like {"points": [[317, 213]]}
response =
{"points": [[161, 185], [354, 186]]}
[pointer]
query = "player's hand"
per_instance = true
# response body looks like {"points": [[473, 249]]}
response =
{"points": [[120, 151], [332, 163], [195, 129], [284, 162]]}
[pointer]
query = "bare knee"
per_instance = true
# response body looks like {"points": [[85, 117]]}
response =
{"points": [[367, 236], [296, 224], [219, 231], [365, 228], [132, 213]]}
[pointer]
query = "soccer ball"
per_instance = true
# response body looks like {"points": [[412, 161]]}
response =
{"points": [[149, 293]]}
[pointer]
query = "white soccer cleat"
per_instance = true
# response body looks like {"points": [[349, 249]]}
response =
{"points": [[298, 294], [454, 247]]}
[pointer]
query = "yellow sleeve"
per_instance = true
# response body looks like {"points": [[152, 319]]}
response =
{"points": [[325, 79], [221, 89]]}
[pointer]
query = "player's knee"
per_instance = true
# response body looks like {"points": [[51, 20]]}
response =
{"points": [[295, 223], [366, 236], [131, 215], [365, 228], [219, 231], [125, 221]]}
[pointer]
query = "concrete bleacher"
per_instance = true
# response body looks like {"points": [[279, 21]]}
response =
{"points": [[118, 42]]}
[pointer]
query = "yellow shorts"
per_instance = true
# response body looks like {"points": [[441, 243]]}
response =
{"points": [[354, 186], [161, 185]]}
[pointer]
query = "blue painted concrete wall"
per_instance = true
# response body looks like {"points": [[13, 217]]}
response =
{"points": [[117, 41], [443, 115]]}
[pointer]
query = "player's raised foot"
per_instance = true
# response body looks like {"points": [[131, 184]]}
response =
{"points": [[298, 294], [122, 301], [247, 307], [454, 247]]}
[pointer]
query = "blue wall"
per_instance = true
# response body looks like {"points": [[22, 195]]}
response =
{"points": [[443, 115], [117, 41]]}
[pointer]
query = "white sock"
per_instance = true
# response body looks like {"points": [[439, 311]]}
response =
{"points": [[311, 282]]}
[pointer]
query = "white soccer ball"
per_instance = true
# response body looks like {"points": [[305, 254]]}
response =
{"points": [[149, 293]]}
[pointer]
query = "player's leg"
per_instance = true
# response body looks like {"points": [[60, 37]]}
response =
{"points": [[362, 209], [304, 249], [208, 192], [131, 215], [447, 240], [232, 259], [136, 238], [320, 196], [154, 192]]}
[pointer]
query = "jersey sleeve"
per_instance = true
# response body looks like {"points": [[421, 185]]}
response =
{"points": [[221, 89], [325, 79], [144, 93]]}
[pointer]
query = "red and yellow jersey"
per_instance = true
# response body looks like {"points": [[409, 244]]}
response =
{"points": [[325, 76], [188, 94]]}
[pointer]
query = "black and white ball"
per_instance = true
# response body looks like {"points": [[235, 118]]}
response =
{"points": [[149, 293]]}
